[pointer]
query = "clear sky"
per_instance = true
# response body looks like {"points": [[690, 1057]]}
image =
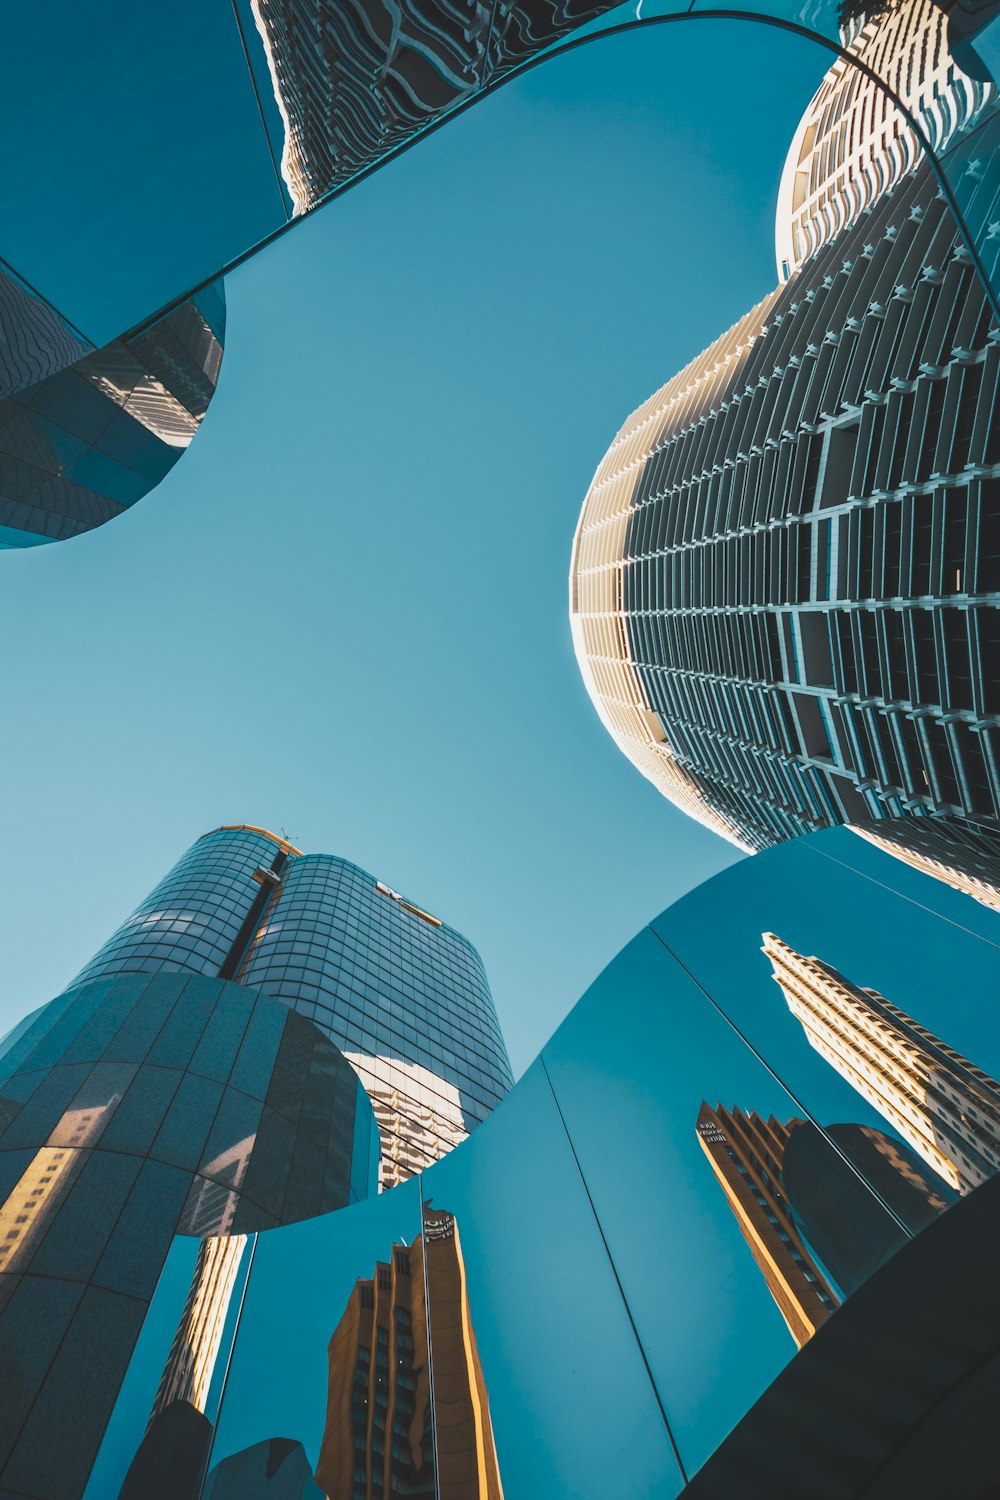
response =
{"points": [[344, 612]]}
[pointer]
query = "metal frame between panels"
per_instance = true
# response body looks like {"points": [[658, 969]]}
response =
{"points": [[560, 49]]}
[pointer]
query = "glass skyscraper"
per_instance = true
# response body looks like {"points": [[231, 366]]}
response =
{"points": [[784, 583], [402, 995]]}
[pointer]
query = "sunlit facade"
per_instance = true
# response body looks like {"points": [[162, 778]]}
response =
{"points": [[746, 1153], [967, 859], [782, 596], [391, 1429], [853, 141], [942, 1104]]}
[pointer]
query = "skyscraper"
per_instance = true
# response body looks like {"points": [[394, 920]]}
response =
{"points": [[782, 595], [938, 1101], [403, 996], [134, 1109], [353, 81]]}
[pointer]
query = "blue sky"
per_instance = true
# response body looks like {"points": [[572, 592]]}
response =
{"points": [[344, 612]]}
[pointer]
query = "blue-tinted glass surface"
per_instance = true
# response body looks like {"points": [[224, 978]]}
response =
{"points": [[140, 127], [939, 974], [633, 1093], [302, 1281], [571, 1404]]}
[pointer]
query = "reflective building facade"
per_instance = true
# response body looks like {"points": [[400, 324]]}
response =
{"points": [[785, 582], [403, 996], [135, 1109], [548, 1307], [84, 442], [308, 98]]}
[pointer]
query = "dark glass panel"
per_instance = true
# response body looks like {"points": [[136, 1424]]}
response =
{"points": [[231, 1140], [76, 1236], [76, 1397], [163, 188], [571, 1404], [94, 1105], [216, 1052], [191, 1008], [107, 1009], [32, 1326], [181, 1138], [258, 1049], [304, 1282], [45, 1107], [135, 1122], [131, 1263]]}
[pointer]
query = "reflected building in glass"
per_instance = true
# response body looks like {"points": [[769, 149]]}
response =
{"points": [[408, 1410], [747, 1155], [966, 857], [784, 589], [938, 1101], [85, 433], [803, 1200]]}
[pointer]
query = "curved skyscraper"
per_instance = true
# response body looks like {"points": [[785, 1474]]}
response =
{"points": [[403, 996], [784, 586]]}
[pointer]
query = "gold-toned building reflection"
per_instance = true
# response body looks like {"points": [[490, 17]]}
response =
{"points": [[747, 1153], [398, 1399], [46, 1181], [188, 1373], [938, 1101]]}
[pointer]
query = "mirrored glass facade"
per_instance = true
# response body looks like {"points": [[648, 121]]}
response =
{"points": [[310, 96], [749, 1187], [132, 1110], [86, 441], [402, 995]]}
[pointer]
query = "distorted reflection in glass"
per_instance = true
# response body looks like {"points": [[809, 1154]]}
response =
{"points": [[171, 1458], [636, 1071], [304, 1281], [941, 1103], [406, 1384], [804, 1207]]}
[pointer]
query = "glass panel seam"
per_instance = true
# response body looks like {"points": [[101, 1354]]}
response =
{"points": [[614, 1271], [783, 1085]]}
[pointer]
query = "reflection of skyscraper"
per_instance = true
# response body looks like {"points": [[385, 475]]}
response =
{"points": [[779, 599], [353, 80], [805, 1200], [399, 1402], [402, 995], [81, 443], [189, 1369], [832, 1191], [170, 1461], [46, 1180], [965, 856], [946, 1107], [746, 1153]]}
